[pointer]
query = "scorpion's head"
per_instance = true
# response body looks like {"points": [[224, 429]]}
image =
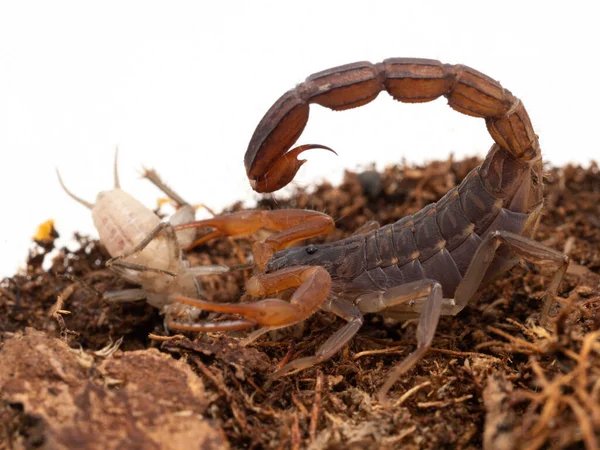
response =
{"points": [[341, 258], [310, 255]]}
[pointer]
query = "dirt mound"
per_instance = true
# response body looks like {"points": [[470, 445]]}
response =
{"points": [[494, 378]]}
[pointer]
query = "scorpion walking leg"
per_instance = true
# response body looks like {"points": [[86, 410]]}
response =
{"points": [[428, 319], [313, 283], [524, 247], [334, 344], [290, 225]]}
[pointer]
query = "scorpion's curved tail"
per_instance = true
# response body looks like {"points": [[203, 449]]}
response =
{"points": [[270, 166]]}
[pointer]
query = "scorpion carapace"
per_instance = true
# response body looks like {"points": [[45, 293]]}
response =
{"points": [[425, 265]]}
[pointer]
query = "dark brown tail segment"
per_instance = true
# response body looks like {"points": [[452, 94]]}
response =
{"points": [[409, 80]]}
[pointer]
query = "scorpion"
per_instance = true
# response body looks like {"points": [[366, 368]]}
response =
{"points": [[144, 250], [421, 267]]}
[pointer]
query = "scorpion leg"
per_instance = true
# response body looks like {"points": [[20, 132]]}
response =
{"points": [[428, 319], [290, 226], [432, 308], [523, 247], [313, 283], [341, 308]]}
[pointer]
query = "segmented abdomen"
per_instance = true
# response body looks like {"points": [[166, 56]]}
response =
{"points": [[123, 222], [437, 243]]}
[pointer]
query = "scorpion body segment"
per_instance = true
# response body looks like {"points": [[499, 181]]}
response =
{"points": [[436, 243], [425, 265]]}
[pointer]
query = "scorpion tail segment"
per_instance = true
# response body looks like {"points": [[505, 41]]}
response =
{"points": [[73, 196], [227, 325], [269, 165], [283, 170], [281, 126], [116, 169], [514, 133]]}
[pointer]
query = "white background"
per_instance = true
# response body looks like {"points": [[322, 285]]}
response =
{"points": [[180, 86]]}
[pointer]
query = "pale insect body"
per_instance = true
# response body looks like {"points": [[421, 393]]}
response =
{"points": [[145, 250]]}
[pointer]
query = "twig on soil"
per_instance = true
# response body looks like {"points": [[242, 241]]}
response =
{"points": [[395, 439], [382, 351], [57, 311], [238, 413], [6, 293], [551, 401], [314, 416], [520, 344], [463, 354], [211, 376], [443, 404], [584, 422], [410, 392], [110, 348], [287, 356], [299, 405], [296, 437], [82, 283], [160, 338]]}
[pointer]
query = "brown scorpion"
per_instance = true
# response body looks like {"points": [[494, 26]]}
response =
{"points": [[424, 265]]}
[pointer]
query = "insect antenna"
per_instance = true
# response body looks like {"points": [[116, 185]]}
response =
{"points": [[117, 184], [73, 196]]}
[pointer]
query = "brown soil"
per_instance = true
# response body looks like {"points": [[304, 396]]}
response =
{"points": [[493, 379]]}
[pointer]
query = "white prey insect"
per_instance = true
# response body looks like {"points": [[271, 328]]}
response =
{"points": [[145, 250]]}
